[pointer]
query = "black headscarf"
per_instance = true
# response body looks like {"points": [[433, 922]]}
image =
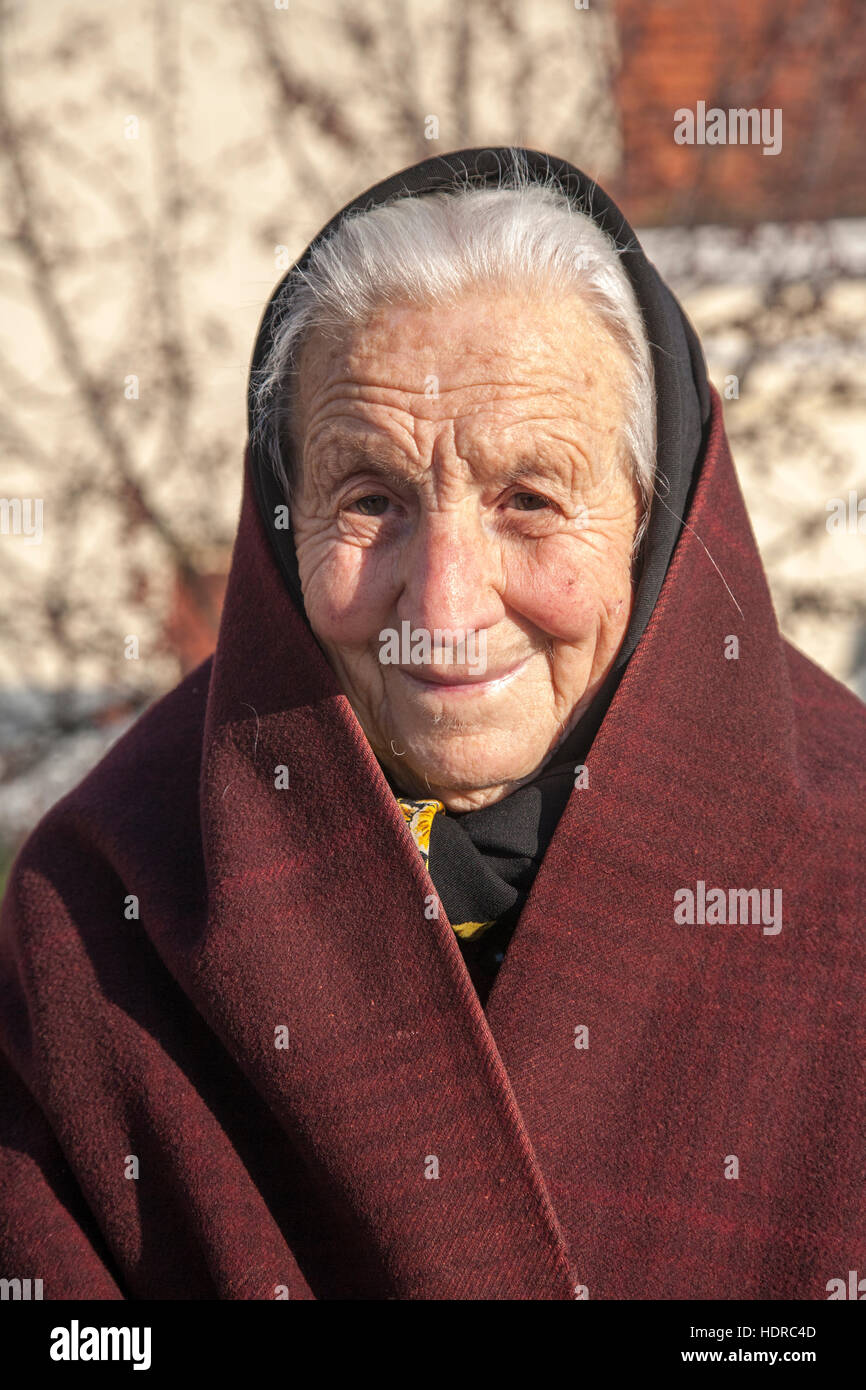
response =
{"points": [[483, 862]]}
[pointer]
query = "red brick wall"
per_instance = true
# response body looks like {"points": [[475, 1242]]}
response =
{"points": [[193, 621], [806, 56]]}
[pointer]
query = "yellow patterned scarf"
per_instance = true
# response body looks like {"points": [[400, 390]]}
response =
{"points": [[419, 818]]}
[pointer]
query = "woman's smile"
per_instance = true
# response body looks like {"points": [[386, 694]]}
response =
{"points": [[470, 685]]}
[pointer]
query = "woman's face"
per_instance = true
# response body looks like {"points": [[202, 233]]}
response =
{"points": [[460, 472]]}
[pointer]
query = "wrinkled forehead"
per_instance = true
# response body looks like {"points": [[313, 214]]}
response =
{"points": [[483, 362]]}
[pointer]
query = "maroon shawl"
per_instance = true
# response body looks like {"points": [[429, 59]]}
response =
{"points": [[295, 1055]]}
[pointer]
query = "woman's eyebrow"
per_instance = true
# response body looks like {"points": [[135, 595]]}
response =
{"points": [[529, 467], [339, 468], [343, 455]]}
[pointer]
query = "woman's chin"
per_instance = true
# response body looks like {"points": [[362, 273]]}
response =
{"points": [[453, 769]]}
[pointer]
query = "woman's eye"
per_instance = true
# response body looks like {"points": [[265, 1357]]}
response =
{"points": [[374, 505], [529, 502]]}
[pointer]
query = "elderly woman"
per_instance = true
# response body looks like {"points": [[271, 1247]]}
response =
{"points": [[481, 920]]}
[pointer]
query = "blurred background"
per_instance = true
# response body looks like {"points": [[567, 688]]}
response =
{"points": [[163, 164]]}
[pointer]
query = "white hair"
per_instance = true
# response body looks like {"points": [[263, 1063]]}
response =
{"points": [[525, 235]]}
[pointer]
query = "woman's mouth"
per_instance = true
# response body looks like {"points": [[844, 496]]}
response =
{"points": [[444, 682]]}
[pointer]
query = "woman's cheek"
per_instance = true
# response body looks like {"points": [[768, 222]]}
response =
{"points": [[562, 590], [347, 596]]}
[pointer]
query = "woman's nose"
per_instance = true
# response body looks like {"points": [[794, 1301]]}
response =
{"points": [[452, 572]]}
